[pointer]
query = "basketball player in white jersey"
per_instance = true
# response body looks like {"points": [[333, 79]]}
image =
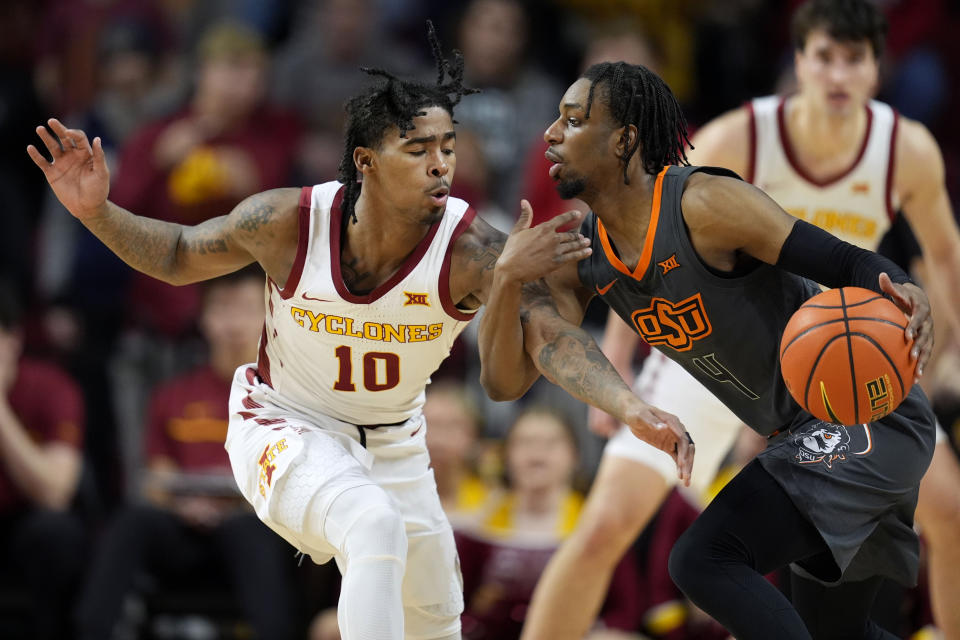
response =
{"points": [[828, 154], [370, 279]]}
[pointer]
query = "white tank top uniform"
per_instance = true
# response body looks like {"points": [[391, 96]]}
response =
{"points": [[334, 399], [857, 206]]}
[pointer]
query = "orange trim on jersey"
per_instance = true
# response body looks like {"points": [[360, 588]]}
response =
{"points": [[647, 253]]}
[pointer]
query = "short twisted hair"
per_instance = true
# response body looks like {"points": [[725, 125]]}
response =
{"points": [[635, 95], [395, 103]]}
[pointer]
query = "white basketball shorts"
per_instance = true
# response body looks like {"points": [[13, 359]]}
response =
{"points": [[713, 427], [266, 440]]}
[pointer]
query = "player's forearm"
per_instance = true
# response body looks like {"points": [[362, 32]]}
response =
{"points": [[147, 245], [506, 372], [570, 358], [46, 482]]}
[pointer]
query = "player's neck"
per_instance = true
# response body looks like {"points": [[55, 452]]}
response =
{"points": [[819, 137], [379, 242], [625, 211]]}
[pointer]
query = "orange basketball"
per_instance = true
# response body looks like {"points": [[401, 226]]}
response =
{"points": [[845, 358]]}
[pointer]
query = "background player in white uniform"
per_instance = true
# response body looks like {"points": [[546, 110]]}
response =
{"points": [[367, 288], [834, 157]]}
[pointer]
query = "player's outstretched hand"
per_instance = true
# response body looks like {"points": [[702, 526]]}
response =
{"points": [[913, 301], [532, 253], [664, 431], [77, 173]]}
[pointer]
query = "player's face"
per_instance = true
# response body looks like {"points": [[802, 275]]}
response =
{"points": [[839, 76], [540, 454], [580, 147], [415, 171]]}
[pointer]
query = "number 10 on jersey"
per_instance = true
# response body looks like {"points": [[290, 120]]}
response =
{"points": [[381, 370]]}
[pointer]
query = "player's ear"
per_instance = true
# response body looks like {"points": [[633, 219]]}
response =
{"points": [[627, 140], [364, 159]]}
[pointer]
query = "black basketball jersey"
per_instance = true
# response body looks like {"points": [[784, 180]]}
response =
{"points": [[724, 330]]}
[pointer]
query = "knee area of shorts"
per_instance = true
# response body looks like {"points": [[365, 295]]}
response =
{"points": [[377, 531]]}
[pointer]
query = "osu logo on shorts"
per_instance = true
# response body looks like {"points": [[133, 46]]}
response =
{"points": [[674, 324]]}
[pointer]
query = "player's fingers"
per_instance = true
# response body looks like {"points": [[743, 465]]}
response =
{"points": [[52, 145], [573, 245], [38, 158], [80, 139], [889, 288], [564, 218], [526, 215], [98, 154], [57, 127], [573, 256], [923, 347]]}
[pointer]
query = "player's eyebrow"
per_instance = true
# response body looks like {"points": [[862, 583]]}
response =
{"points": [[573, 105], [449, 135]]}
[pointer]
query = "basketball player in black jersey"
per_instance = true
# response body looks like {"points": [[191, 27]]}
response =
{"points": [[708, 269]]}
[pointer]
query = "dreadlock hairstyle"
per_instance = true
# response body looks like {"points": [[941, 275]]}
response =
{"points": [[395, 102], [635, 95]]}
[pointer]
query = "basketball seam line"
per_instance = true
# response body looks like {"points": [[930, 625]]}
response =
{"points": [[853, 368], [826, 322]]}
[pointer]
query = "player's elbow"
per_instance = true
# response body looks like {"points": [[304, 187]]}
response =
{"points": [[498, 389]]}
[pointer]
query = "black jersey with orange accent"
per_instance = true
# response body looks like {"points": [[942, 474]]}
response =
{"points": [[724, 330]]}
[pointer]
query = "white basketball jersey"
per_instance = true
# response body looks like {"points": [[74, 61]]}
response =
{"points": [[858, 205], [363, 359]]}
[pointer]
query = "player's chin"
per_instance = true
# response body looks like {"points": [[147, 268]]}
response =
{"points": [[569, 188]]}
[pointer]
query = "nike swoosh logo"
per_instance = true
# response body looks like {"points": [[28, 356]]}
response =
{"points": [[306, 297], [603, 290], [416, 431]]}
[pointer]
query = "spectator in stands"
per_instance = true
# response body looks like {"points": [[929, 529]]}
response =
{"points": [[316, 72], [453, 425], [503, 558], [41, 442], [226, 144], [194, 518], [517, 100]]}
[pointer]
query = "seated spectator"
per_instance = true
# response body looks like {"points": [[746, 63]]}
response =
{"points": [[41, 441], [453, 425], [503, 558], [226, 144], [194, 518]]}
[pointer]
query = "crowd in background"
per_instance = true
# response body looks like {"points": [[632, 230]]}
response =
{"points": [[118, 383]]}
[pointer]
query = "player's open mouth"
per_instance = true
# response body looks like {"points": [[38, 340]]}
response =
{"points": [[556, 160], [439, 196]]}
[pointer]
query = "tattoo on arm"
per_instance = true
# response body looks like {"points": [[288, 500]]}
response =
{"points": [[258, 214], [204, 246], [576, 363], [484, 256]]}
